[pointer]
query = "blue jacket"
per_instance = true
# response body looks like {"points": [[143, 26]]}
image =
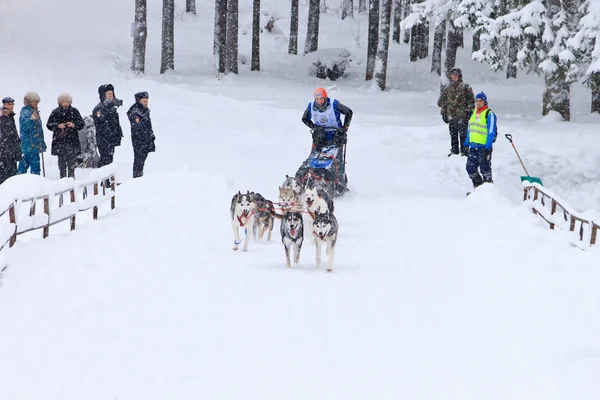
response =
{"points": [[32, 132], [492, 132]]}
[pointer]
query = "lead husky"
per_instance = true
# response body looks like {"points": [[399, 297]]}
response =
{"points": [[242, 211], [325, 231], [317, 200], [264, 216], [288, 199], [292, 234]]}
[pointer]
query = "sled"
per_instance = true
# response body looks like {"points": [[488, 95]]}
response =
{"points": [[327, 164]]}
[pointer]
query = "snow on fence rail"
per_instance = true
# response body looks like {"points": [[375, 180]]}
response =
{"points": [[28, 203], [555, 212]]}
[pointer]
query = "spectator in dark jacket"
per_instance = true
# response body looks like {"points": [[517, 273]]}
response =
{"points": [[10, 142], [457, 104], [108, 127], [142, 135], [65, 121]]}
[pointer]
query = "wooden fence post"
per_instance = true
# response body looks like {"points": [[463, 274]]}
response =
{"points": [[572, 227], [594, 233], [13, 220], [46, 230], [95, 194], [74, 215], [525, 193], [113, 187]]}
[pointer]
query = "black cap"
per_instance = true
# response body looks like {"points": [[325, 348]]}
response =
{"points": [[8, 100], [141, 95]]}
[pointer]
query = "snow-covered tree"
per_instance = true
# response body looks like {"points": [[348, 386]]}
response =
{"points": [[312, 32], [255, 64], [293, 46], [586, 44], [347, 8], [362, 6], [373, 38], [231, 59], [220, 40], [140, 33], [167, 59], [190, 6], [543, 31], [384, 44]]}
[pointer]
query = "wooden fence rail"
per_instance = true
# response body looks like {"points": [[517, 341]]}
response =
{"points": [[556, 213], [71, 201]]}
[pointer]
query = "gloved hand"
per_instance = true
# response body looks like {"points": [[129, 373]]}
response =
{"points": [[318, 135], [341, 137], [445, 118]]}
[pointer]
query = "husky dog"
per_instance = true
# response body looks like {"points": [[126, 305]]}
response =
{"points": [[292, 183], [292, 234], [317, 200], [288, 199], [264, 216], [242, 210], [325, 231]]}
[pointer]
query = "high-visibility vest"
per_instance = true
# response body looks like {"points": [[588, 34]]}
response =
{"points": [[478, 131]]}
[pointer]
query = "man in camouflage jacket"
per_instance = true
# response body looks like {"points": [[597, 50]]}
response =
{"points": [[457, 103]]}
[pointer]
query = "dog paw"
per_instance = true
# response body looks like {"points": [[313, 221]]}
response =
{"points": [[235, 248], [245, 250], [329, 270]]}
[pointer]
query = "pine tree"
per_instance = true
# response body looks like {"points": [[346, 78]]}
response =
{"points": [[384, 44], [167, 59], [347, 8], [362, 6], [293, 47], [373, 37], [190, 6], [231, 58], [312, 32], [397, 18], [220, 40], [140, 33], [439, 37], [255, 65], [586, 44]]}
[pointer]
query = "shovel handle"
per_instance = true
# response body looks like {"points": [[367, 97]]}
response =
{"points": [[509, 137]]}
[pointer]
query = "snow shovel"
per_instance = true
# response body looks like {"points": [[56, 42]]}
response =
{"points": [[528, 178]]}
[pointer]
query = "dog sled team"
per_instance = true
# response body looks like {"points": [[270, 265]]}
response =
{"points": [[306, 200]]}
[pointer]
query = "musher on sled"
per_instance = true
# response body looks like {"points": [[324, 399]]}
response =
{"points": [[329, 135]]}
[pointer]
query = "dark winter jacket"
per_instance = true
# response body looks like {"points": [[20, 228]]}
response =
{"points": [[106, 120], [32, 132], [142, 135], [457, 100], [10, 143], [65, 141]]}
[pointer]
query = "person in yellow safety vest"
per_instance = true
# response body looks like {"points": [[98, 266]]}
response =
{"points": [[481, 135]]}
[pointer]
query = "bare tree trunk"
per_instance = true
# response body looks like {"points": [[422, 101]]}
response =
{"points": [[439, 37], [190, 6], [513, 51], [397, 19], [595, 86], [384, 44], [140, 33], [424, 40], [373, 37], [556, 96], [220, 44], [347, 9], [452, 44], [231, 60], [406, 13], [293, 47], [167, 59], [255, 65], [362, 6], [419, 42], [312, 33], [476, 41]]}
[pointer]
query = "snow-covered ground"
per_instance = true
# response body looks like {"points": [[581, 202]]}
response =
{"points": [[433, 295]]}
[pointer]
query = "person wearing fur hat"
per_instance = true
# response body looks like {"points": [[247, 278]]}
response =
{"points": [[65, 121], [481, 136], [142, 135], [32, 135], [323, 116], [456, 103], [106, 121], [10, 143]]}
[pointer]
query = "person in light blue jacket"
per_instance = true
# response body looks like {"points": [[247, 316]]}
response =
{"points": [[32, 135]]}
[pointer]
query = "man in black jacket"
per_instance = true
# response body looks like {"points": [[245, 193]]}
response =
{"points": [[108, 127], [142, 135], [10, 142], [65, 122]]}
